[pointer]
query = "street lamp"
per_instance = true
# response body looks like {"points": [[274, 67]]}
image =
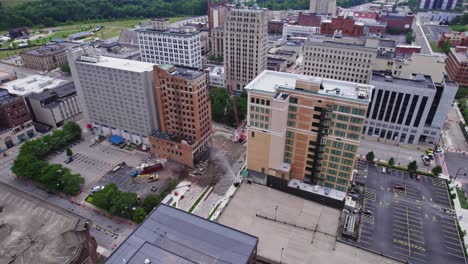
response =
{"points": [[281, 259], [458, 173], [398, 151], [276, 211]]}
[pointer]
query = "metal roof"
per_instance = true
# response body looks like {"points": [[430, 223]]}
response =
{"points": [[170, 235]]}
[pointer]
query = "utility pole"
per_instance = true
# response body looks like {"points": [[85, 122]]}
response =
{"points": [[458, 173]]}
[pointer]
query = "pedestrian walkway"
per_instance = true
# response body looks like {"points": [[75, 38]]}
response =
{"points": [[462, 214]]}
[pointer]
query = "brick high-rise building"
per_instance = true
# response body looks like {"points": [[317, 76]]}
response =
{"points": [[245, 46], [457, 65], [323, 7], [304, 128], [184, 114]]}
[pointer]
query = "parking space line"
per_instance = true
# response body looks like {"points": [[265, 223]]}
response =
{"points": [[458, 256], [452, 243]]}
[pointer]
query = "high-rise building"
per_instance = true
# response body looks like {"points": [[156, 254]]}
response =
{"points": [[437, 4], [341, 59], [116, 95], [304, 128], [323, 7], [457, 65], [408, 111], [184, 114], [245, 46], [217, 41], [160, 44]]}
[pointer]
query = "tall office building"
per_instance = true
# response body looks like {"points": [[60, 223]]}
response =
{"points": [[323, 7], [408, 111], [160, 44], [437, 4], [116, 95], [184, 113], [341, 59], [304, 128], [245, 46]]}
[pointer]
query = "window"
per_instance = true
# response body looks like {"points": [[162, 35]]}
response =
{"points": [[359, 112], [292, 116], [291, 123], [342, 118], [349, 147], [356, 120], [292, 108], [252, 134], [344, 109], [293, 100]]}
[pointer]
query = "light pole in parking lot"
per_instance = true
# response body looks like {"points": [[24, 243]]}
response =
{"points": [[398, 151], [458, 173], [276, 211], [281, 259]]}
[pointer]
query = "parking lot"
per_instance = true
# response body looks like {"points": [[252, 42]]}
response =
{"points": [[413, 224]]}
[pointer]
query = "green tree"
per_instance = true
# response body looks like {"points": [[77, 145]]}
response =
{"points": [[72, 183], [52, 177], [445, 47], [241, 105], [410, 36], [150, 202], [370, 157], [391, 162], [102, 198], [412, 167], [122, 204], [69, 152], [73, 129], [139, 215], [65, 68], [437, 170]]}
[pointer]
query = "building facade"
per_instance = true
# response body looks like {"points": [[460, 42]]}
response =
{"points": [[323, 7], [217, 77], [245, 46], [438, 4], [116, 95], [217, 41], [160, 44], [299, 31], [328, 58], [455, 39], [343, 26], [457, 65], [309, 20], [408, 111], [15, 120], [184, 113], [54, 107], [304, 128], [47, 57]]}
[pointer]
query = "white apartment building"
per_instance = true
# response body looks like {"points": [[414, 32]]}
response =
{"points": [[323, 7], [216, 76], [299, 31], [160, 44], [116, 95], [342, 59], [245, 45]]}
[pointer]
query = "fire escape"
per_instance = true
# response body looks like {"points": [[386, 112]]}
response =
{"points": [[325, 119]]}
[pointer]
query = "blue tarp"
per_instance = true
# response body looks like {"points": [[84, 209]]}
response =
{"points": [[116, 139]]}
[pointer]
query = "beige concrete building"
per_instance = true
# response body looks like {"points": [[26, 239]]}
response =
{"points": [[323, 7], [48, 57], [349, 60], [406, 68], [184, 114], [217, 41], [304, 128], [245, 46]]}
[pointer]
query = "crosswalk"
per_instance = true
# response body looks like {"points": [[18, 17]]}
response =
{"points": [[367, 219]]}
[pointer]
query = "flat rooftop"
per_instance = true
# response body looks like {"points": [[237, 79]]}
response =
{"points": [[52, 49], [170, 137], [170, 31], [6, 97], [420, 81], [61, 91], [117, 63], [35, 231], [31, 84], [462, 56], [271, 81], [170, 235], [183, 72]]}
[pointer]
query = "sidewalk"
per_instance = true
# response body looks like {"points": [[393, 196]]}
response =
{"points": [[462, 214]]}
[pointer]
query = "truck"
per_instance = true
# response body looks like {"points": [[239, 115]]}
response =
{"points": [[146, 169]]}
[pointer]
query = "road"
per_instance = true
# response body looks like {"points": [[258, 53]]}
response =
{"points": [[452, 135], [420, 38], [108, 227]]}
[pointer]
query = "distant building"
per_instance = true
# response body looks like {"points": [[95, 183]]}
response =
{"points": [[397, 21], [217, 76], [299, 31], [407, 49], [217, 41], [6, 77], [116, 95], [341, 59], [438, 4], [15, 120], [170, 235], [160, 44], [245, 46], [323, 7], [457, 65], [184, 114], [18, 32], [344, 26], [309, 20], [118, 50], [304, 128], [80, 35], [276, 64], [216, 13], [48, 57], [275, 26], [54, 107], [409, 111], [454, 38], [41, 232]]}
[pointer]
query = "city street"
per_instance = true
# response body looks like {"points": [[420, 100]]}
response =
{"points": [[452, 135], [420, 38]]}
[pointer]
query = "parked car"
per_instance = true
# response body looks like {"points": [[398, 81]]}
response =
{"points": [[400, 187], [426, 160], [154, 188], [97, 188], [383, 170], [367, 212], [418, 177]]}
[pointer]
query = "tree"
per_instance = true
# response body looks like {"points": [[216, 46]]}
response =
{"points": [[65, 68], [69, 152], [437, 170], [139, 215], [72, 183], [52, 177], [150, 202], [445, 47], [391, 162], [410, 37], [370, 157], [102, 198], [412, 167], [122, 204]]}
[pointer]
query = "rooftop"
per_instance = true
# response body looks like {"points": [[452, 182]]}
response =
{"points": [[187, 31], [35, 231], [320, 190], [117, 63], [271, 81], [51, 49], [31, 84], [56, 94], [170, 137], [460, 54], [420, 81], [170, 235], [6, 97], [183, 72]]}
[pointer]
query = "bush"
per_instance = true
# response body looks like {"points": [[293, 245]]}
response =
{"points": [[391, 162], [139, 215], [150, 202], [370, 156], [436, 170], [115, 202]]}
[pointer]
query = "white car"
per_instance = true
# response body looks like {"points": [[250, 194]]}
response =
{"points": [[97, 188], [384, 170]]}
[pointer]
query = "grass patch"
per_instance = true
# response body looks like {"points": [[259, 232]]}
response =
{"points": [[435, 48], [214, 210], [198, 200], [460, 28], [11, 3], [462, 92], [9, 53], [462, 198], [89, 199]]}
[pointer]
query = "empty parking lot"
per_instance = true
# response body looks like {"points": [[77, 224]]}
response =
{"points": [[305, 231], [413, 224]]}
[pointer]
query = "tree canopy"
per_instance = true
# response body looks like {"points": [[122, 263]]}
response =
{"points": [[222, 109]]}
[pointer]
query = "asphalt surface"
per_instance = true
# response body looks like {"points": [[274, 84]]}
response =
{"points": [[457, 162], [409, 225], [434, 32], [420, 38]]}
